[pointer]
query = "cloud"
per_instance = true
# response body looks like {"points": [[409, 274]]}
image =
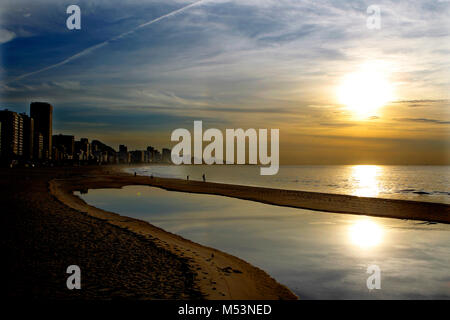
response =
{"points": [[338, 124], [423, 120], [422, 101], [68, 85], [104, 43], [6, 35]]}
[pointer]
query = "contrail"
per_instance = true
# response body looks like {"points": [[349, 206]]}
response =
{"points": [[104, 43]]}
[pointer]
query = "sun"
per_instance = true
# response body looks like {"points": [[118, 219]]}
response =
{"points": [[366, 90], [365, 233]]}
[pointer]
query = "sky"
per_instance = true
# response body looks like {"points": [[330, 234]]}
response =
{"points": [[137, 70]]}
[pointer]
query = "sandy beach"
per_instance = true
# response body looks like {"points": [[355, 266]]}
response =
{"points": [[48, 228]]}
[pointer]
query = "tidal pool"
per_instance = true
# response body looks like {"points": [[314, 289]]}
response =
{"points": [[317, 255]]}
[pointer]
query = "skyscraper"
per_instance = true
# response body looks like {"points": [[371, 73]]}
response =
{"points": [[166, 155], [28, 136], [65, 144], [38, 146], [124, 155], [11, 135], [42, 114]]}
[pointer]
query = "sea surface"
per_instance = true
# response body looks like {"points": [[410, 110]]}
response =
{"points": [[317, 255], [420, 183]]}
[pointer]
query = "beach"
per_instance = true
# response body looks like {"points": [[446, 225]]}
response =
{"points": [[49, 228]]}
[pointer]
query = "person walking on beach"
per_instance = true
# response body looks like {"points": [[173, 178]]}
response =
{"points": [[187, 178], [204, 178], [135, 173]]}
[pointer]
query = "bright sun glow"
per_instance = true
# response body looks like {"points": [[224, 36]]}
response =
{"points": [[365, 90], [364, 179], [365, 233]]}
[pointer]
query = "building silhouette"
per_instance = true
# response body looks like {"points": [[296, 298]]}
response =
{"points": [[124, 155], [28, 140], [38, 146], [28, 136], [166, 155], [63, 147], [42, 113], [137, 156], [11, 135], [82, 149], [103, 153], [156, 156]]}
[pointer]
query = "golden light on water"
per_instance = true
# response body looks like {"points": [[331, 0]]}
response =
{"points": [[365, 180], [365, 234], [366, 90]]}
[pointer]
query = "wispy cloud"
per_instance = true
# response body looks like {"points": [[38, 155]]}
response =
{"points": [[102, 44], [423, 120]]}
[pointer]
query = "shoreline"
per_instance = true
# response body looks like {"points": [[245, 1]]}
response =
{"points": [[315, 201], [217, 275], [42, 237], [47, 226]]}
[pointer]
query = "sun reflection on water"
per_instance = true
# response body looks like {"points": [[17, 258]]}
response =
{"points": [[365, 180], [365, 233]]}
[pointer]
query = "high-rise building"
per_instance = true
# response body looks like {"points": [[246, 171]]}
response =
{"points": [[83, 149], [42, 113], [156, 156], [137, 156], [149, 154], [123, 148], [38, 146], [28, 136], [166, 155], [124, 155], [11, 135], [65, 144]]}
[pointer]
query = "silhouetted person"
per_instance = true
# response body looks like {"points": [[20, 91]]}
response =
{"points": [[135, 173], [204, 178], [187, 178]]}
